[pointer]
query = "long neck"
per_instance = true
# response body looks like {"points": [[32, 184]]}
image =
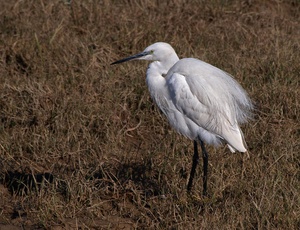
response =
{"points": [[155, 76]]}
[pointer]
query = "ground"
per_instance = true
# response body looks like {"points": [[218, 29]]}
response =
{"points": [[82, 145]]}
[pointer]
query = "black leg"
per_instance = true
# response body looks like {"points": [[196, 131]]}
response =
{"points": [[195, 163], [205, 166]]}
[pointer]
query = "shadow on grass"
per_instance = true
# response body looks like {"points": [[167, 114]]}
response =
{"points": [[133, 175], [126, 176], [20, 183]]}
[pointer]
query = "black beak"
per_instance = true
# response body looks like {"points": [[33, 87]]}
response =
{"points": [[145, 53]]}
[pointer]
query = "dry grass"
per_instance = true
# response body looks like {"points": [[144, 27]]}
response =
{"points": [[82, 145]]}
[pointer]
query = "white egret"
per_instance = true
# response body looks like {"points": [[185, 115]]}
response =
{"points": [[200, 101]]}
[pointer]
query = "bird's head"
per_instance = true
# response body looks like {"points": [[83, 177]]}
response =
{"points": [[159, 51]]}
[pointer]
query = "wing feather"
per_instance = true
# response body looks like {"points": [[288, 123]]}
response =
{"points": [[209, 97]]}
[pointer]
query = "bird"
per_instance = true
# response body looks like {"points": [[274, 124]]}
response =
{"points": [[201, 102]]}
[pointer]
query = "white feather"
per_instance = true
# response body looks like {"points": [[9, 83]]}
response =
{"points": [[200, 101]]}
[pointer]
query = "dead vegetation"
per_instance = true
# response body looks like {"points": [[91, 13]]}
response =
{"points": [[82, 145]]}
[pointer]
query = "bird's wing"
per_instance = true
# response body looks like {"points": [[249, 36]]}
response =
{"points": [[201, 99], [195, 107]]}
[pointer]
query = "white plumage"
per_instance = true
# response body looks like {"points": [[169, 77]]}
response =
{"points": [[200, 101]]}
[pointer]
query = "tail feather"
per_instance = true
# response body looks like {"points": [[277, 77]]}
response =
{"points": [[235, 139], [231, 148]]}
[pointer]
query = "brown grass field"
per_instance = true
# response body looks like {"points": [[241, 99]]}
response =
{"points": [[82, 145]]}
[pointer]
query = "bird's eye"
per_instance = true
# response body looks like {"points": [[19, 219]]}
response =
{"points": [[151, 51]]}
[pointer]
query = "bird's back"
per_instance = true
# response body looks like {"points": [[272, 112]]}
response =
{"points": [[211, 98]]}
